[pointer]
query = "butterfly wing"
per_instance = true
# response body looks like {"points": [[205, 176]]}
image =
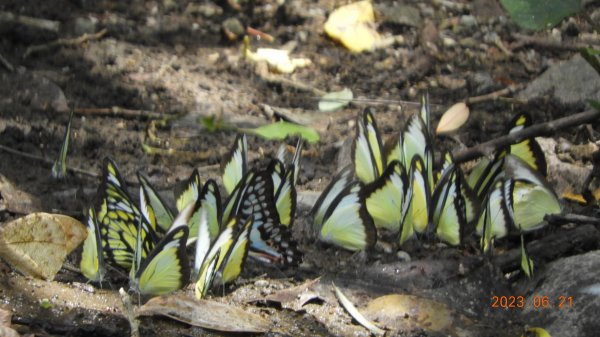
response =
{"points": [[190, 192], [528, 150], [117, 216], [526, 261], [421, 195], [92, 258], [235, 165], [166, 268], [494, 220], [285, 192], [270, 241], [384, 198], [236, 257], [347, 223], [448, 211], [367, 150], [335, 187], [163, 215]]}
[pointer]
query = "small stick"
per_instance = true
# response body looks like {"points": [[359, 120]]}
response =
{"points": [[133, 322], [6, 64], [492, 96], [119, 112], [548, 128], [64, 42], [525, 41], [29, 21]]}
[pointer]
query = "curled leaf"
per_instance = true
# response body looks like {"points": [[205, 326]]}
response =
{"points": [[281, 130], [336, 100], [453, 119]]}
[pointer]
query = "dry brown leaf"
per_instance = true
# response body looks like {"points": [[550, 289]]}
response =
{"points": [[38, 243], [408, 313], [205, 314]]}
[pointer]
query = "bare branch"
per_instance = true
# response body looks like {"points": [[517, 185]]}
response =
{"points": [[64, 42], [543, 129]]}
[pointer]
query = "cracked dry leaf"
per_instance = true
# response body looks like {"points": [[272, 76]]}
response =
{"points": [[352, 26], [205, 314], [37, 244], [408, 313]]}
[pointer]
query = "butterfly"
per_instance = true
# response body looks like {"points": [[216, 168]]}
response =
{"points": [[165, 267], [118, 219], [226, 256], [528, 197], [235, 165], [448, 211], [385, 197], [340, 216], [269, 240], [367, 149], [59, 168], [285, 191], [421, 195], [92, 257], [162, 213], [494, 221], [486, 171]]}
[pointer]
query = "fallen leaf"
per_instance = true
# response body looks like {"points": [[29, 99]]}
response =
{"points": [[352, 26], [278, 59], [356, 314], [409, 313], [536, 332], [37, 244], [453, 118], [294, 298], [336, 100], [205, 314], [16, 201], [280, 130]]}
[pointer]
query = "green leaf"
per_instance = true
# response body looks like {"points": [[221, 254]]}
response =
{"points": [[594, 104], [540, 14], [592, 56], [282, 129], [334, 101]]}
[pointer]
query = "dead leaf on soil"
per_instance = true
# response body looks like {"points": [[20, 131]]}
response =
{"points": [[5, 320], [352, 25], [453, 119], [409, 313], [205, 314], [279, 60], [294, 298], [37, 244], [16, 201]]}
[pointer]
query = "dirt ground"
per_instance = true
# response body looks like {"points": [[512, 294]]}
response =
{"points": [[173, 63]]}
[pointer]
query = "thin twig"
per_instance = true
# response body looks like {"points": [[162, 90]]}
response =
{"points": [[572, 218], [133, 322], [76, 170], [6, 64], [492, 96], [119, 112], [29, 21], [548, 128], [526, 41], [64, 42]]}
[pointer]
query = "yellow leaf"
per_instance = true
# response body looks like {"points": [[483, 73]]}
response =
{"points": [[453, 119], [37, 244], [352, 26]]}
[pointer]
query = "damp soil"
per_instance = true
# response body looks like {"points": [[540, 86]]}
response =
{"points": [[176, 63]]}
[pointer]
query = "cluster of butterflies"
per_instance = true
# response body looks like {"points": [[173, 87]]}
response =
{"points": [[396, 188], [151, 242]]}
